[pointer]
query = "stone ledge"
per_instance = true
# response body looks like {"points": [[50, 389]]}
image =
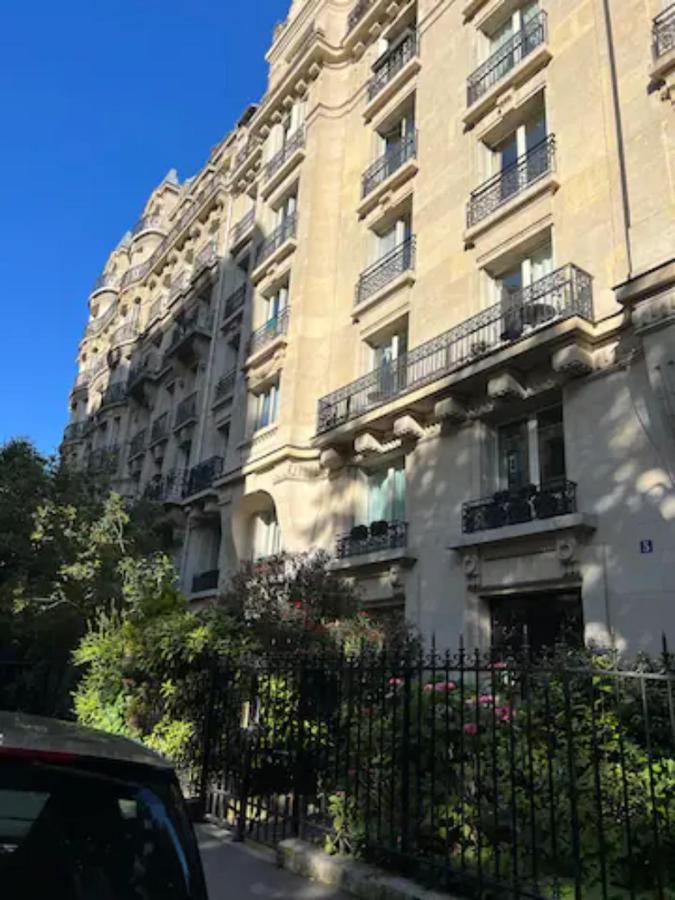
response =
{"points": [[355, 878]]}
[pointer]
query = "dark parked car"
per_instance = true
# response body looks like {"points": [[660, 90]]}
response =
{"points": [[90, 816]]}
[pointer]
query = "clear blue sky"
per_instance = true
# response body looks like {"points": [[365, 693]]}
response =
{"points": [[98, 101]]}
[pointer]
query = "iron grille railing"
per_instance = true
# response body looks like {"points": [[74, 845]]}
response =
{"points": [[566, 292], [225, 385], [105, 281], [552, 498], [269, 331], [206, 257], [199, 323], [148, 368], [179, 284], [147, 223], [76, 431], [295, 142], [114, 393], [388, 163], [137, 443], [386, 269], [166, 488], [528, 168], [160, 429], [357, 13], [235, 301], [279, 236], [391, 63], [531, 35], [186, 410], [243, 226], [100, 322], [371, 538], [135, 273], [202, 476], [104, 459], [205, 581], [663, 32]]}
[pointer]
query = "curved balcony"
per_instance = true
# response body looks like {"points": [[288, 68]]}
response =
{"points": [[147, 223], [76, 431], [135, 273], [105, 282], [268, 332], [98, 324]]}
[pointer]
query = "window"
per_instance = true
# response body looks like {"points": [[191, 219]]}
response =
{"points": [[266, 407], [388, 359], [276, 304], [524, 141], [532, 450], [531, 267], [545, 619], [287, 209], [266, 535], [392, 237], [386, 493], [515, 23]]}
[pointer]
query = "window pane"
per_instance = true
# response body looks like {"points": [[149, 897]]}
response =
{"points": [[378, 495], [514, 461], [551, 444], [398, 511]]}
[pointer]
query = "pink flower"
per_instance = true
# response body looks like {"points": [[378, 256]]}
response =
{"points": [[440, 686], [486, 700], [395, 682], [297, 604], [498, 665], [471, 728], [504, 713]]}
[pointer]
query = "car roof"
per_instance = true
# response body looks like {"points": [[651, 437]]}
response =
{"points": [[19, 731]]}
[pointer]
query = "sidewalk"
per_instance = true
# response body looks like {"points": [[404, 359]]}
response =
{"points": [[237, 871]]}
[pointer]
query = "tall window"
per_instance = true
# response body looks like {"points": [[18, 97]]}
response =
{"points": [[522, 141], [393, 236], [532, 450], [515, 23], [530, 268], [267, 407], [389, 361], [276, 304], [266, 535], [287, 209], [386, 494]]}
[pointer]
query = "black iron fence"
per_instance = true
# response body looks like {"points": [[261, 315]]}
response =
{"points": [[525, 171], [532, 34], [385, 270], [557, 497], [484, 776], [202, 476], [568, 291], [380, 535], [389, 163], [166, 488], [391, 63], [663, 32]]}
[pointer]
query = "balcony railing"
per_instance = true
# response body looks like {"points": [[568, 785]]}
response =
{"points": [[114, 393], [104, 459], [186, 411], [388, 163], [279, 236], [513, 179], [137, 443], [553, 498], [294, 143], [663, 32], [242, 227], [147, 223], [201, 323], [500, 63], [385, 270], [135, 273], [105, 281], [76, 431], [125, 332], [371, 538], [269, 331], [225, 386], [100, 322], [147, 369], [564, 293], [205, 581], [235, 301], [391, 63], [159, 430], [166, 488], [202, 476], [206, 257], [179, 284], [357, 13]]}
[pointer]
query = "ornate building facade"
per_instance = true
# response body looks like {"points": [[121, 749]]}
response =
{"points": [[418, 309]]}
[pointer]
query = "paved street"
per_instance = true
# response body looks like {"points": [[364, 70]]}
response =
{"points": [[238, 871]]}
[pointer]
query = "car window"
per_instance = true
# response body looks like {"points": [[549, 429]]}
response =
{"points": [[69, 833]]}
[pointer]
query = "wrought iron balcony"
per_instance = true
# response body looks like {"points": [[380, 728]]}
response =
{"points": [[137, 443], [663, 32], [114, 393], [371, 538], [399, 260], [97, 324], [564, 293], [104, 460], [500, 63], [202, 476], [388, 163], [225, 386], [532, 502], [269, 331], [106, 282], [178, 285], [391, 63], [206, 257], [159, 430], [513, 179], [199, 323], [186, 411], [279, 236], [166, 488], [235, 301], [146, 370], [357, 13], [294, 143], [242, 228], [76, 431], [135, 273], [205, 581], [147, 223]]}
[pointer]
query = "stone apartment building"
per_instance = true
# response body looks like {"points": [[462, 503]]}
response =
{"points": [[417, 309]]}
